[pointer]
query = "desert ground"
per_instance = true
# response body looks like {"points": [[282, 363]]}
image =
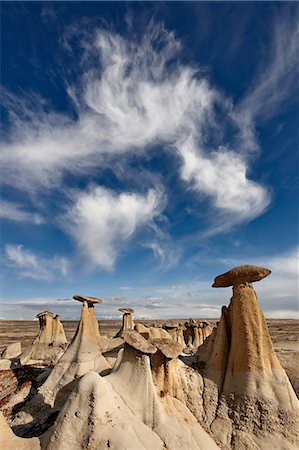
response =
{"points": [[284, 334]]}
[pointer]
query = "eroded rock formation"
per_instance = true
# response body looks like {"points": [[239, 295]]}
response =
{"points": [[127, 321], [50, 343], [232, 394], [248, 398], [83, 354]]}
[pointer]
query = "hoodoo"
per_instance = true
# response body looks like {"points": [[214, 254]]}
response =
{"points": [[164, 375], [83, 354], [50, 343], [195, 333], [166, 416], [241, 370], [128, 323], [229, 392]]}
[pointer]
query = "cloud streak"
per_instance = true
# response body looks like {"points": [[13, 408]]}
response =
{"points": [[134, 98], [135, 95], [30, 265], [16, 213], [274, 84]]}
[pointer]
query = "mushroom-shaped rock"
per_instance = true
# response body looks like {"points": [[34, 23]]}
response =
{"points": [[83, 355], [169, 348], [128, 323], [240, 367], [135, 340], [241, 275], [126, 310], [90, 300]]}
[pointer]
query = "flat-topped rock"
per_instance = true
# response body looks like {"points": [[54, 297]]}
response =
{"points": [[135, 340], [44, 313], [241, 275], [89, 300], [171, 324], [168, 347], [126, 310]]}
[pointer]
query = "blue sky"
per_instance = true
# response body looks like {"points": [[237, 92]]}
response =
{"points": [[145, 149]]}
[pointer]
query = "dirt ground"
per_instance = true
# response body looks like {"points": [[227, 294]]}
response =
{"points": [[284, 334]]}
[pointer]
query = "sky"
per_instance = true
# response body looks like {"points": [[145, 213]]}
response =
{"points": [[147, 147]]}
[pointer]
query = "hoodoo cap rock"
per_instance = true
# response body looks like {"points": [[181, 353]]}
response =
{"points": [[89, 300], [135, 340], [126, 310], [241, 275], [168, 347]]}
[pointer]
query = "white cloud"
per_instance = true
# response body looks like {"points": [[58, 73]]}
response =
{"points": [[221, 175], [278, 296], [276, 81], [30, 265], [16, 213], [102, 222], [136, 97]]}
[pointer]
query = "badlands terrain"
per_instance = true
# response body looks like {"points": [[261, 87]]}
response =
{"points": [[228, 383]]}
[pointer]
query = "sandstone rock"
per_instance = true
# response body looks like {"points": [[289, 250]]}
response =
{"points": [[89, 300], [241, 275], [83, 355], [12, 351], [241, 370], [50, 343], [9, 441], [5, 364], [138, 342], [128, 323]]}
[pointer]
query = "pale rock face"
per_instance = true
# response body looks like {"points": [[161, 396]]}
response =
{"points": [[5, 364], [241, 370], [50, 343], [196, 333], [58, 333], [128, 323], [168, 417], [9, 441], [151, 333], [12, 351], [83, 355], [94, 402]]}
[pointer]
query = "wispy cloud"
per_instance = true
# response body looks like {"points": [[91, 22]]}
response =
{"points": [[278, 296], [16, 213], [102, 222], [136, 94], [30, 265], [134, 98], [276, 81]]}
